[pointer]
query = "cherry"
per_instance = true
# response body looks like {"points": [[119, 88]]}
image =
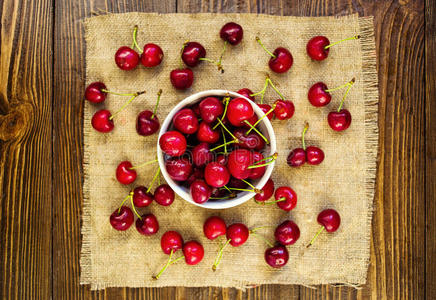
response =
{"points": [[286, 198], [147, 122], [281, 59], [287, 233], [238, 111], [221, 159], [193, 252], [216, 174], [182, 79], [318, 95], [142, 197], [126, 58], [277, 256], [200, 191], [214, 227], [185, 121], [102, 121], [197, 173], [171, 241], [246, 93], [192, 52], [122, 218], [248, 141], [152, 55], [236, 183], [266, 108], [237, 234], [210, 109], [147, 224], [314, 155], [284, 109], [178, 169], [238, 162], [232, 33], [330, 220], [96, 92], [339, 120], [206, 133], [318, 47], [251, 122], [164, 195], [266, 192], [125, 173], [257, 172], [297, 157], [173, 143], [201, 155]]}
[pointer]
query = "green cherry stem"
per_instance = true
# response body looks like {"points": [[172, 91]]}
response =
{"points": [[121, 94], [346, 93], [181, 53], [264, 48], [314, 238], [224, 140], [275, 88], [157, 103], [125, 199], [164, 267], [262, 238], [262, 92], [135, 43], [226, 129], [154, 179], [356, 37], [270, 158], [125, 104], [224, 145], [306, 127], [260, 227], [265, 115], [270, 202], [341, 86], [257, 131], [133, 206], [252, 186], [144, 164], [227, 189], [226, 104], [220, 255], [246, 190]]}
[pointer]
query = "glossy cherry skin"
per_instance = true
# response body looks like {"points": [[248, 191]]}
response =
{"points": [[232, 33], [182, 79], [221, 159], [339, 121], [238, 111], [277, 256], [314, 155], [330, 219], [141, 198], [290, 196], [266, 108], [186, 121], [200, 191], [101, 121], [216, 174], [206, 134], [282, 62], [284, 109], [246, 93], [94, 92], [201, 155], [123, 220], [152, 55], [210, 109], [147, 225], [192, 52], [173, 143], [126, 58], [164, 195], [287, 233], [238, 162], [193, 252], [251, 141], [147, 123], [214, 227], [257, 172], [171, 240], [316, 48], [266, 192], [197, 173], [124, 173], [318, 96], [297, 157], [237, 234], [178, 169]]}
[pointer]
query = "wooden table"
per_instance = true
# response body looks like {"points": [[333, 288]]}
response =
{"points": [[42, 75]]}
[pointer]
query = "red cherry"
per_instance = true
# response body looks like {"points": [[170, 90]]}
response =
{"points": [[200, 191], [296, 157], [193, 252], [201, 155], [171, 240], [238, 111], [282, 61], [125, 174], [164, 195], [316, 48], [330, 219], [339, 121], [257, 172], [287, 233], [197, 173], [210, 109], [173, 143], [192, 52], [94, 92], [152, 55], [238, 162], [232, 33], [142, 198], [147, 123], [236, 183], [182, 79], [185, 121], [214, 227], [147, 225], [216, 174], [318, 96], [251, 141], [206, 134], [178, 169], [314, 155], [266, 192], [101, 121], [251, 121], [288, 196], [277, 256], [123, 220], [237, 234], [221, 159], [126, 58], [266, 108], [246, 93], [284, 109]]}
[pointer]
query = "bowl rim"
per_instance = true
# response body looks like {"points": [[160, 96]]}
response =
{"points": [[242, 197]]}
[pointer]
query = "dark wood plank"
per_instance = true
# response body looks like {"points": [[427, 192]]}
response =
{"points": [[25, 149]]}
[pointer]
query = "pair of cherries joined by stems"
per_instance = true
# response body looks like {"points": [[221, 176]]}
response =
{"points": [[284, 197], [312, 154]]}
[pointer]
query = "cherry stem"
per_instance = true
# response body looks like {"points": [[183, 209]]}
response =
{"points": [[261, 227], [314, 238], [121, 94], [306, 127], [262, 238], [226, 129], [227, 189], [220, 255], [133, 206], [144, 164], [271, 159], [346, 93], [135, 43], [125, 199], [224, 145], [164, 267], [153, 180], [181, 53], [125, 105], [356, 37], [257, 191], [224, 139], [270, 202], [257, 131], [217, 63], [265, 115], [262, 92], [226, 101], [157, 103], [275, 88], [267, 51], [341, 86]]}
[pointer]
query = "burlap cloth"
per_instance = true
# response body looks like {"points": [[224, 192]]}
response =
{"points": [[344, 181]]}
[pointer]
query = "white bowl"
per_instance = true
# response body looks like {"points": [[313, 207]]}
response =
{"points": [[264, 126]]}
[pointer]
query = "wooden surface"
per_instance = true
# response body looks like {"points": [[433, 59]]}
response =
{"points": [[42, 76]]}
